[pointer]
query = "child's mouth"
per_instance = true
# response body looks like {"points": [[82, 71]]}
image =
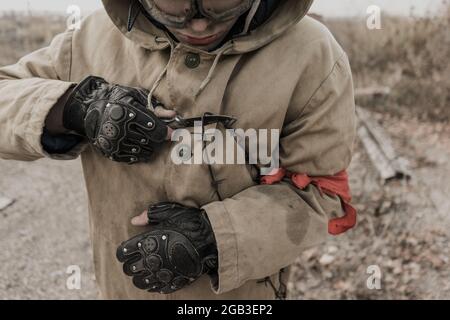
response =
{"points": [[200, 41]]}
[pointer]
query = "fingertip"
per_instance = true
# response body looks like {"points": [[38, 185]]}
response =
{"points": [[135, 221], [141, 220], [161, 112]]}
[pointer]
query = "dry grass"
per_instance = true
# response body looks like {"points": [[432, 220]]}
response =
{"points": [[21, 34], [410, 55]]}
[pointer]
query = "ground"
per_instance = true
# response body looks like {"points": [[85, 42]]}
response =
{"points": [[45, 231], [402, 228]]}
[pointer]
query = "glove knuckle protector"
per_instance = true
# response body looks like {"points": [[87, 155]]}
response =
{"points": [[115, 119], [178, 250]]}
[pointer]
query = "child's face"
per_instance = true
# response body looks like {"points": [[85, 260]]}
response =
{"points": [[203, 33]]}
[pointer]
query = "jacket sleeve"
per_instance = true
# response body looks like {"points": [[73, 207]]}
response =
{"points": [[265, 227], [28, 90]]}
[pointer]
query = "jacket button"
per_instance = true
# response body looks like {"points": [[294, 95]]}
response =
{"points": [[192, 60]]}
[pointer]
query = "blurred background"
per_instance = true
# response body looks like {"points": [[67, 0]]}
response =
{"points": [[399, 175]]}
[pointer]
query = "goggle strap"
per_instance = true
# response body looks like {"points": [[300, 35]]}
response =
{"points": [[133, 13]]}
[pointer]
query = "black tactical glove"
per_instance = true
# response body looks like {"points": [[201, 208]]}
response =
{"points": [[115, 119], [178, 249]]}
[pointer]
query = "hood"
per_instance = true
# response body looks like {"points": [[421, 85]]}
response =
{"points": [[287, 14]]}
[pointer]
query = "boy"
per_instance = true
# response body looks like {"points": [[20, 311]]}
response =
{"points": [[114, 91]]}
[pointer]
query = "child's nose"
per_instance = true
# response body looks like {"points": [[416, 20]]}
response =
{"points": [[199, 25]]}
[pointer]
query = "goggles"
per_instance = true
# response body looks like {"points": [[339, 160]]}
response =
{"points": [[178, 13]]}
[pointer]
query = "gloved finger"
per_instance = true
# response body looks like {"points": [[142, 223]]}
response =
{"points": [[130, 248], [140, 220], [160, 282], [135, 134], [143, 138], [147, 282], [139, 131], [128, 147], [148, 124], [134, 266], [166, 210]]}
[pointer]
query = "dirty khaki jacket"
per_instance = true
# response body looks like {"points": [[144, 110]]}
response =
{"points": [[288, 74]]}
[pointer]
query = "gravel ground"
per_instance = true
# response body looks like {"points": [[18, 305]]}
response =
{"points": [[45, 231], [402, 227]]}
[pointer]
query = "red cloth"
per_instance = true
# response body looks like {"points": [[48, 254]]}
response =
{"points": [[331, 185]]}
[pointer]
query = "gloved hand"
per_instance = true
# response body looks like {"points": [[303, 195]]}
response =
{"points": [[115, 119], [179, 248]]}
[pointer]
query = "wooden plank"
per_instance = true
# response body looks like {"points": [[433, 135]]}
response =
{"points": [[377, 157], [380, 148], [5, 202], [377, 132], [372, 91]]}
